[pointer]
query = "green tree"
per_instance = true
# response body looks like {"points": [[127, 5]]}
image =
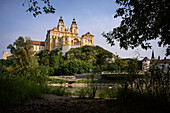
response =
{"points": [[35, 7], [22, 50], [75, 66], [142, 20], [24, 61], [43, 57]]}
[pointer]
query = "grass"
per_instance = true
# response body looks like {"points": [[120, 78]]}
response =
{"points": [[56, 80], [18, 90], [60, 91], [138, 97], [86, 81]]}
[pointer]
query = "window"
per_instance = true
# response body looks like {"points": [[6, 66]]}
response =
{"points": [[74, 30], [61, 28], [66, 39]]}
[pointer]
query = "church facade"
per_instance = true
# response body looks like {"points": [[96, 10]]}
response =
{"points": [[61, 37], [64, 38]]}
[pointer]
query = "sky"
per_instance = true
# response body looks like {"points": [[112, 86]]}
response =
{"points": [[94, 16]]}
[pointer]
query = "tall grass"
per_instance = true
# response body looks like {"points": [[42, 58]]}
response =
{"points": [[18, 90], [60, 91]]}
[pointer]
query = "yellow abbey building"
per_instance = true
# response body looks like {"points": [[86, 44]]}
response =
{"points": [[65, 38], [61, 37]]}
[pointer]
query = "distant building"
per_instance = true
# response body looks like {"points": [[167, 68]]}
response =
{"points": [[163, 64], [146, 64], [38, 46]]}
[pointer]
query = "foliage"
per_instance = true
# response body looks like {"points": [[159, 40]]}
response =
{"points": [[24, 61], [138, 97], [75, 67], [82, 92], [77, 60], [86, 92], [56, 80], [87, 81], [153, 87], [35, 7], [142, 20], [18, 90], [51, 59], [102, 95], [94, 54], [60, 91], [22, 77]]}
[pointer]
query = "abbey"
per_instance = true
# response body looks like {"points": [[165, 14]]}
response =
{"points": [[65, 38], [61, 37]]}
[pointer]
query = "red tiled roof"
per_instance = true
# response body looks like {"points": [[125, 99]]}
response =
{"points": [[146, 58], [10, 56], [38, 43]]}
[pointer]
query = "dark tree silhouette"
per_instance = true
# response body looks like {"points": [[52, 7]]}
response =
{"points": [[35, 7], [142, 20]]}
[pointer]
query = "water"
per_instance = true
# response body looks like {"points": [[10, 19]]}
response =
{"points": [[101, 90]]}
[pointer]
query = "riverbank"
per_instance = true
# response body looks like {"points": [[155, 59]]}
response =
{"points": [[85, 84], [60, 104]]}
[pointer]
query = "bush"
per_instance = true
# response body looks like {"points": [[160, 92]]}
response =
{"points": [[60, 91], [75, 66], [138, 97], [102, 95], [89, 92], [18, 90], [82, 93]]}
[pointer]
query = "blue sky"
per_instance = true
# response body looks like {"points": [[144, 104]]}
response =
{"points": [[94, 16]]}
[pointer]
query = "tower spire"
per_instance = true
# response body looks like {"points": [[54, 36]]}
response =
{"points": [[61, 19], [74, 21], [152, 55]]}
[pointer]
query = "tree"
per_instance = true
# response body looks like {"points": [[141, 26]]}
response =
{"points": [[33, 6], [142, 20], [24, 62], [75, 66], [22, 50]]}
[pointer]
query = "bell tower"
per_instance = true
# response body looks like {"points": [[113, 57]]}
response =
{"points": [[5, 54], [61, 26], [74, 28]]}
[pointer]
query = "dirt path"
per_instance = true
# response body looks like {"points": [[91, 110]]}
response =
{"points": [[59, 104]]}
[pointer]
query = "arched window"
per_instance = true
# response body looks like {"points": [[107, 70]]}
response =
{"points": [[74, 30], [61, 28]]}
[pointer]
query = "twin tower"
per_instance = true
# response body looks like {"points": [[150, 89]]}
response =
{"points": [[65, 38], [61, 37]]}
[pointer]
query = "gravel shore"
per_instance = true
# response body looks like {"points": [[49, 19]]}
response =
{"points": [[60, 104]]}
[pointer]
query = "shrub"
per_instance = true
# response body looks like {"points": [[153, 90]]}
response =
{"points": [[18, 90], [138, 97], [102, 95], [60, 91], [82, 93]]}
